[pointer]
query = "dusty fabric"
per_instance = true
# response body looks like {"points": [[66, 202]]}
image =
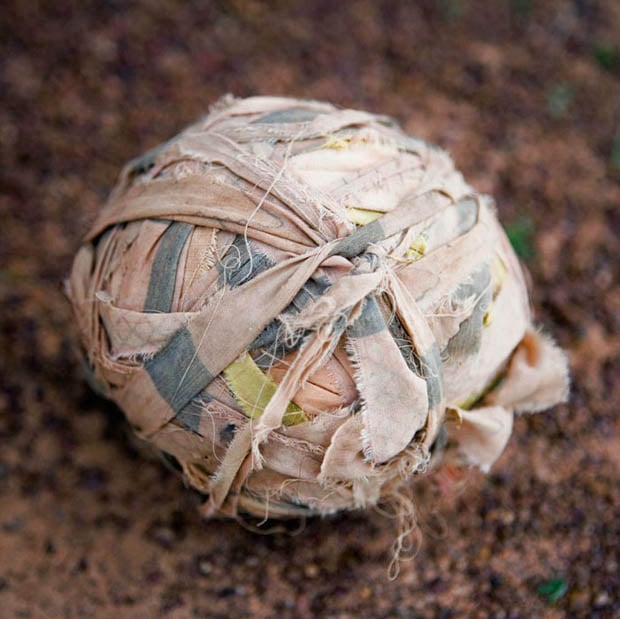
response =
{"points": [[299, 303]]}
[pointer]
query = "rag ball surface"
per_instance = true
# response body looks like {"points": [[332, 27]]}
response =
{"points": [[304, 306]]}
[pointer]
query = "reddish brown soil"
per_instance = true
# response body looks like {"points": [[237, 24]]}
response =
{"points": [[526, 96]]}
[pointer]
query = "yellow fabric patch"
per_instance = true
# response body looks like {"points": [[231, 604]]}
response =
{"points": [[253, 390], [337, 143], [489, 317], [362, 216], [499, 272], [417, 249]]}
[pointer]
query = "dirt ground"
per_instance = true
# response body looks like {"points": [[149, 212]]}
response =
{"points": [[524, 94]]}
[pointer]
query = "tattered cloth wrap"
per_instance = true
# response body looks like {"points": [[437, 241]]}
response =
{"points": [[303, 304]]}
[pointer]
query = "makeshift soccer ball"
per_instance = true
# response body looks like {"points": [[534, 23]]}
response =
{"points": [[303, 305]]}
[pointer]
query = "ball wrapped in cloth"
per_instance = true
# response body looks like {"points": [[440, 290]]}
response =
{"points": [[304, 306]]}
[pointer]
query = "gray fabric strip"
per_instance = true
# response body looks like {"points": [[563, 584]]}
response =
{"points": [[313, 289], [432, 371], [241, 263], [359, 240], [467, 339], [400, 336], [370, 321], [290, 115], [164, 272], [467, 212], [428, 365], [190, 414], [177, 372]]}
